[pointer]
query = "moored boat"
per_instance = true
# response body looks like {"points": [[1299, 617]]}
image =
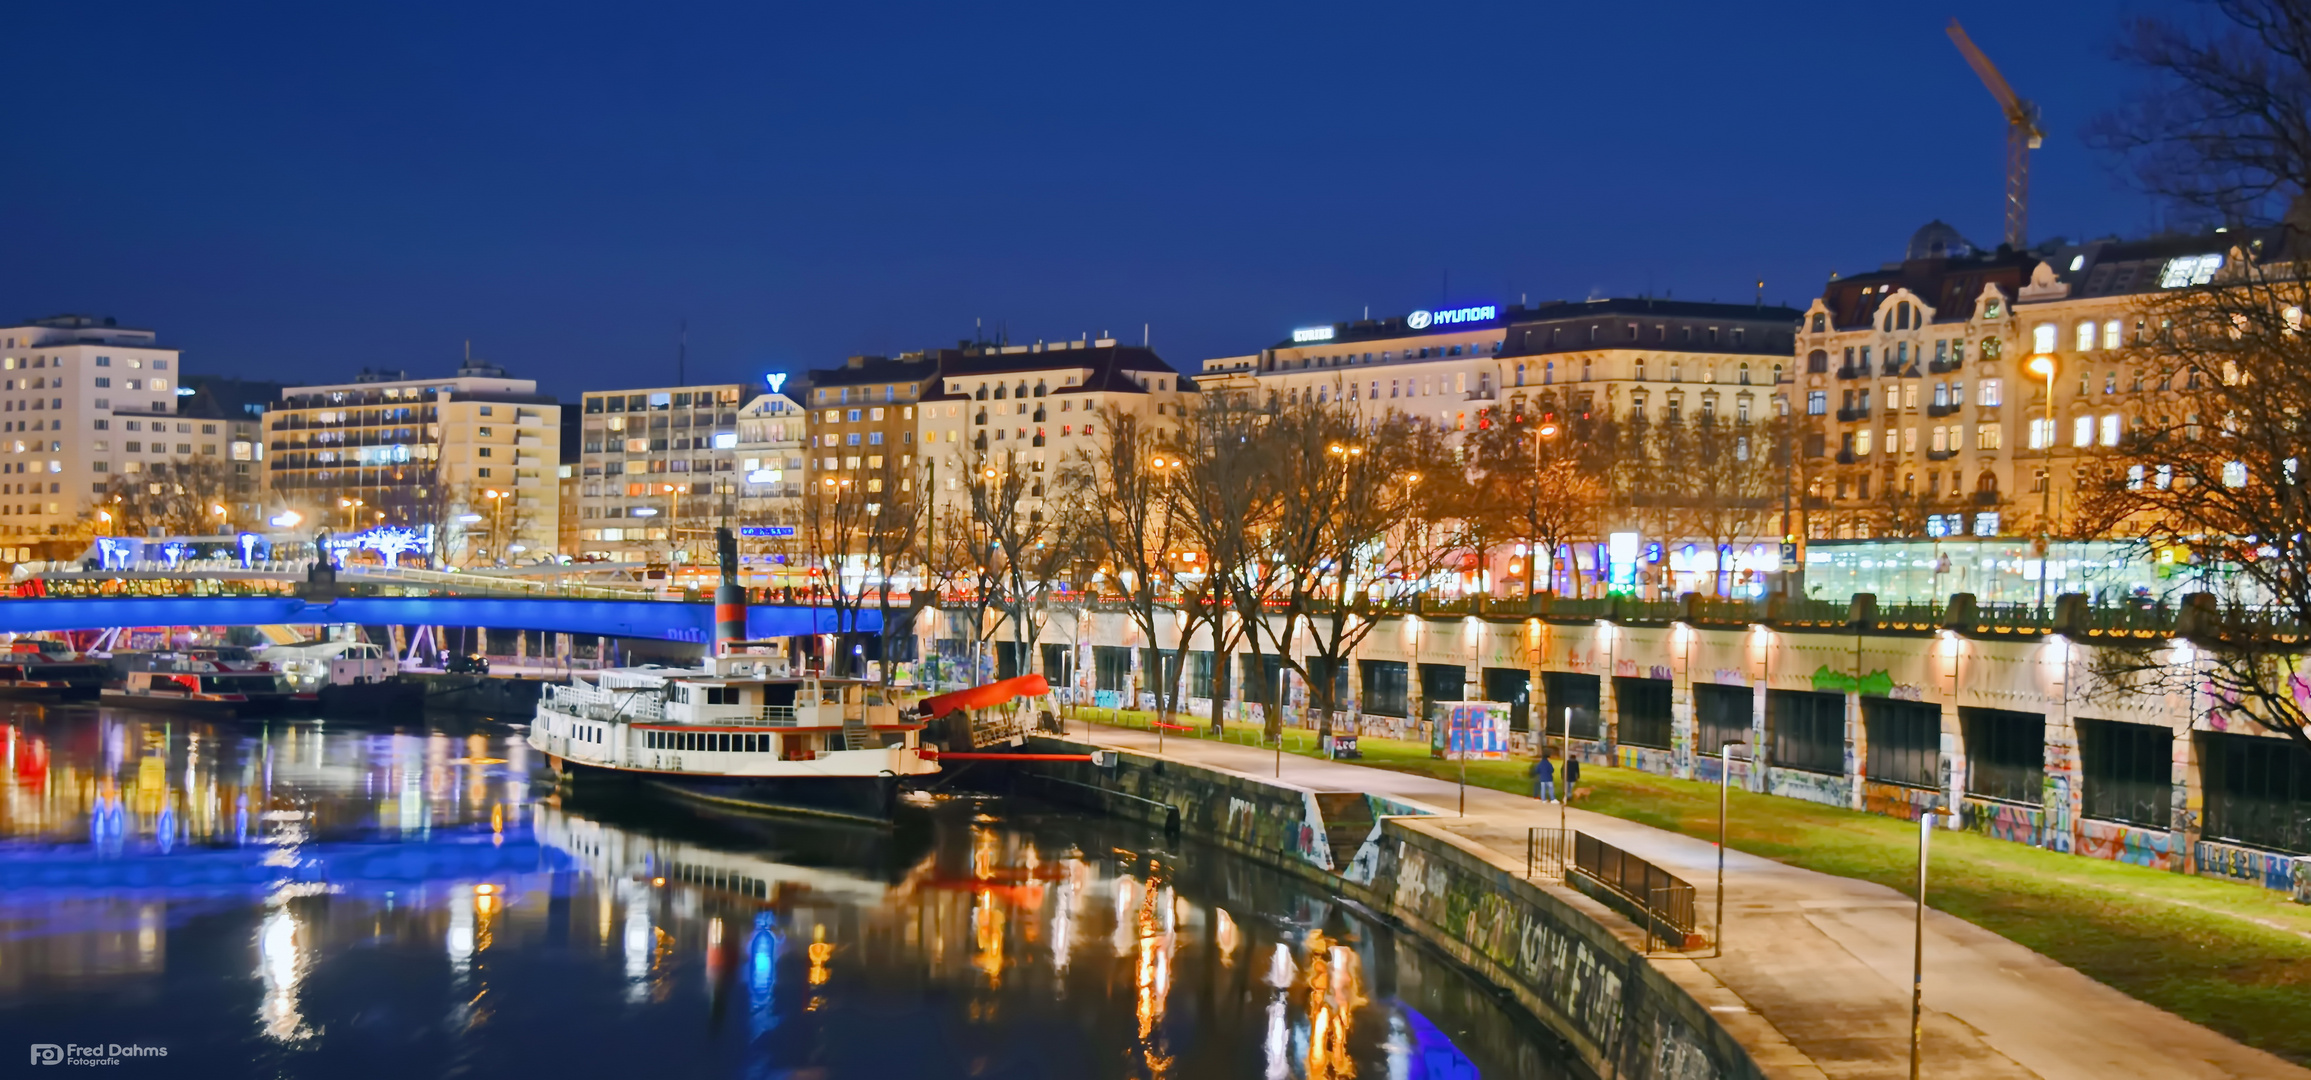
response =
{"points": [[730, 735], [32, 670], [211, 692]]}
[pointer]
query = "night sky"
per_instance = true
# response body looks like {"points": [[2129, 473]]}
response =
{"points": [[294, 191]]}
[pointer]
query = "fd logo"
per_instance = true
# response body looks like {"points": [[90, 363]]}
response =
{"points": [[47, 1054]]}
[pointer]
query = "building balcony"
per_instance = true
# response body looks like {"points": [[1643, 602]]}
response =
{"points": [[1943, 409], [1943, 367], [1853, 372], [1846, 457], [1940, 455], [1853, 413], [1985, 498]]}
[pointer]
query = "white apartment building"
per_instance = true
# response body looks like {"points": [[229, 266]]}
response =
{"points": [[1035, 408], [473, 455], [657, 471], [1608, 359], [82, 400]]}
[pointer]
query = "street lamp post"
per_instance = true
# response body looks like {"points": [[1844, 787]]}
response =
{"points": [[497, 540], [2043, 366], [1533, 518], [1918, 946], [1724, 798], [351, 507]]}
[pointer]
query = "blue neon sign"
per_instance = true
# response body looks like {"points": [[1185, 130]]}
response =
{"points": [[1422, 320]]}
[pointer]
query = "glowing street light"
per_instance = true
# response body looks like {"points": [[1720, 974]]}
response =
{"points": [[286, 519], [2043, 366]]}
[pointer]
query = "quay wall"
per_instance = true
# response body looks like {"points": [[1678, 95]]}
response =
{"points": [[1574, 964]]}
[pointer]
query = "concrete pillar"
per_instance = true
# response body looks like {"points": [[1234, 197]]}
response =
{"points": [[1608, 651], [1759, 749], [1416, 634], [1680, 703], [1857, 749], [2189, 804]]}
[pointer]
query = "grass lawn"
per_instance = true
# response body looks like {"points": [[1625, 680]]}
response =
{"points": [[2233, 957]]}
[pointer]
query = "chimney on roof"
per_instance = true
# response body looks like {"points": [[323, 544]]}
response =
{"points": [[855, 362]]}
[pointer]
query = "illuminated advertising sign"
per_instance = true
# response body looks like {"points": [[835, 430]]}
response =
{"points": [[1313, 333], [766, 531], [777, 382], [1422, 320]]}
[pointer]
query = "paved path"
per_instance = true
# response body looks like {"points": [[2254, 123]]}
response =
{"points": [[1826, 960]]}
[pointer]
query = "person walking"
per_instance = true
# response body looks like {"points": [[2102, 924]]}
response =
{"points": [[1544, 778], [1572, 776]]}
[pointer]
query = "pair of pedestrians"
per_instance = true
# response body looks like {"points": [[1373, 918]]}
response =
{"points": [[1545, 777]]}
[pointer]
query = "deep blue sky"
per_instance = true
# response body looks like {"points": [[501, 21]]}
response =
{"points": [[293, 190]]}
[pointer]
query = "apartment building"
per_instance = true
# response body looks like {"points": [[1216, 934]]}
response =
{"points": [[234, 411], [1921, 412], [84, 401], [658, 471], [1035, 407], [472, 456], [861, 429], [773, 433], [1613, 358]]}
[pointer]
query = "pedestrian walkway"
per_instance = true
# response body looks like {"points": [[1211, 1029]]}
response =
{"points": [[1825, 960]]}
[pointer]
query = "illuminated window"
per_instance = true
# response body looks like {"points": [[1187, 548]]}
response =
{"points": [[2111, 338], [2042, 338], [1986, 437], [2111, 426], [2086, 337], [1988, 395]]}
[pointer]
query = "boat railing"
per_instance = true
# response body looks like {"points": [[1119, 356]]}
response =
{"points": [[778, 715]]}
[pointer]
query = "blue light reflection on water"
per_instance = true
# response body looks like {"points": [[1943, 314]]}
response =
{"points": [[306, 899]]}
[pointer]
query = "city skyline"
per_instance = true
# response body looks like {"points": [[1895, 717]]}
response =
{"points": [[385, 222]]}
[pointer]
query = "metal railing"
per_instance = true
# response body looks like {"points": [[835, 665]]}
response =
{"points": [[1548, 852], [1665, 899]]}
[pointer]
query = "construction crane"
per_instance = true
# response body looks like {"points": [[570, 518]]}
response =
{"points": [[2022, 136]]}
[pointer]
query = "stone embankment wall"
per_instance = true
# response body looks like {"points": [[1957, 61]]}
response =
{"points": [[1570, 961]]}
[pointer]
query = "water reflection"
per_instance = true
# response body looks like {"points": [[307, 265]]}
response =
{"points": [[310, 899]]}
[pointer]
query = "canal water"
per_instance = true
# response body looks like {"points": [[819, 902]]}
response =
{"points": [[311, 899]]}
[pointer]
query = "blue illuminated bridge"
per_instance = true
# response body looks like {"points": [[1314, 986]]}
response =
{"points": [[661, 620]]}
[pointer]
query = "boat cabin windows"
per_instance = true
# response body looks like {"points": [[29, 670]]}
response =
{"points": [[716, 742], [704, 695]]}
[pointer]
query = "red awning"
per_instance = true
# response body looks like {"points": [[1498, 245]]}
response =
{"points": [[982, 697]]}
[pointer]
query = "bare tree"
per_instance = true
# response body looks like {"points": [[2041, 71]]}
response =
{"points": [[2214, 469], [2212, 464], [2221, 127], [1121, 496], [1540, 480], [859, 526], [1018, 550], [1229, 505], [181, 498], [1732, 485]]}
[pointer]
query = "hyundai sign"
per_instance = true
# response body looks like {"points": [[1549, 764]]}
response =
{"points": [[1422, 320], [1313, 333]]}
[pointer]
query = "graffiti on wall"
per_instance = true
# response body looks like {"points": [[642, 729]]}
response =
{"points": [[1875, 684], [2126, 844], [1897, 801], [1561, 969], [2268, 869], [1275, 828], [2003, 821], [1810, 786], [1642, 759]]}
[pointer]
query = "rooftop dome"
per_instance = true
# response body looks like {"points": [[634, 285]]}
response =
{"points": [[1937, 240]]}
